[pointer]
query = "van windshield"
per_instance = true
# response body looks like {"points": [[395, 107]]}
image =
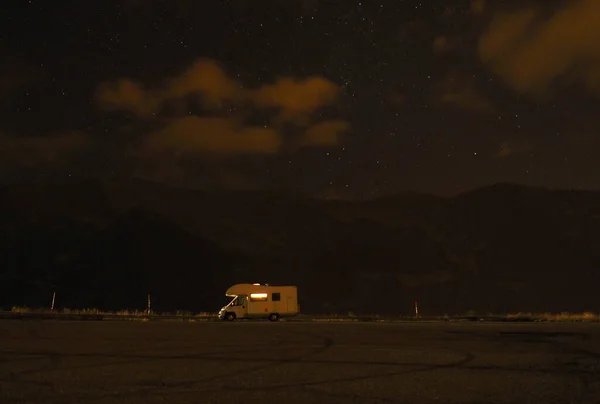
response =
{"points": [[238, 301]]}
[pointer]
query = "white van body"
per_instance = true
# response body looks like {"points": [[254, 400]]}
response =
{"points": [[260, 301]]}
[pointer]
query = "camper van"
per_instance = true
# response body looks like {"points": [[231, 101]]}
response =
{"points": [[260, 301]]}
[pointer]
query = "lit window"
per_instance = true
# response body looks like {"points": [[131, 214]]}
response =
{"points": [[258, 297]]}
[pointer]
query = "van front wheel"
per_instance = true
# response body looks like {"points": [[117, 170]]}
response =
{"points": [[230, 316], [273, 317]]}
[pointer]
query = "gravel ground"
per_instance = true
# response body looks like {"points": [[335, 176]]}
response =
{"points": [[260, 362]]}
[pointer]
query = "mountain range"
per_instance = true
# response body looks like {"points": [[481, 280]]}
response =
{"points": [[108, 244]]}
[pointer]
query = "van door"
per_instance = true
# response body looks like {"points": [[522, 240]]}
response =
{"points": [[276, 300], [291, 305], [242, 306]]}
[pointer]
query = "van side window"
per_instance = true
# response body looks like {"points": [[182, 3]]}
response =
{"points": [[258, 297], [276, 297]]}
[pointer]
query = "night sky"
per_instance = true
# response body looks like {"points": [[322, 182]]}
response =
{"points": [[332, 98]]}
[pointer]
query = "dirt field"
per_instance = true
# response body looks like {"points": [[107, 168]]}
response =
{"points": [[175, 362]]}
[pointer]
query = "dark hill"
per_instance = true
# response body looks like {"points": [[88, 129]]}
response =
{"points": [[107, 244]]}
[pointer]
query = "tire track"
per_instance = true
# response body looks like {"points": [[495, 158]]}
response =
{"points": [[326, 344]]}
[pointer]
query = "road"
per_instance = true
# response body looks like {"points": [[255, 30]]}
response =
{"points": [[261, 362]]}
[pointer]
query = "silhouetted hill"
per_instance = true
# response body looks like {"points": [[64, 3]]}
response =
{"points": [[108, 244]]}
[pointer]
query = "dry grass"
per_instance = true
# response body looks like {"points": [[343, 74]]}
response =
{"points": [[93, 311], [557, 317], [143, 314]]}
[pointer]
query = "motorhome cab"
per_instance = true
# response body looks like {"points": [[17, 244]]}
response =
{"points": [[260, 301]]}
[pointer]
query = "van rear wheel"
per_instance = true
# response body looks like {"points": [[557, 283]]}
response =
{"points": [[273, 317]]}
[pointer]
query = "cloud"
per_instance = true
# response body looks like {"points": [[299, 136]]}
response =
{"points": [[397, 99], [443, 44], [477, 6], [532, 52], [593, 79], [504, 150], [197, 135], [207, 78], [128, 95], [296, 99], [287, 100], [461, 91], [203, 77], [31, 151], [193, 135], [324, 134], [512, 148]]}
